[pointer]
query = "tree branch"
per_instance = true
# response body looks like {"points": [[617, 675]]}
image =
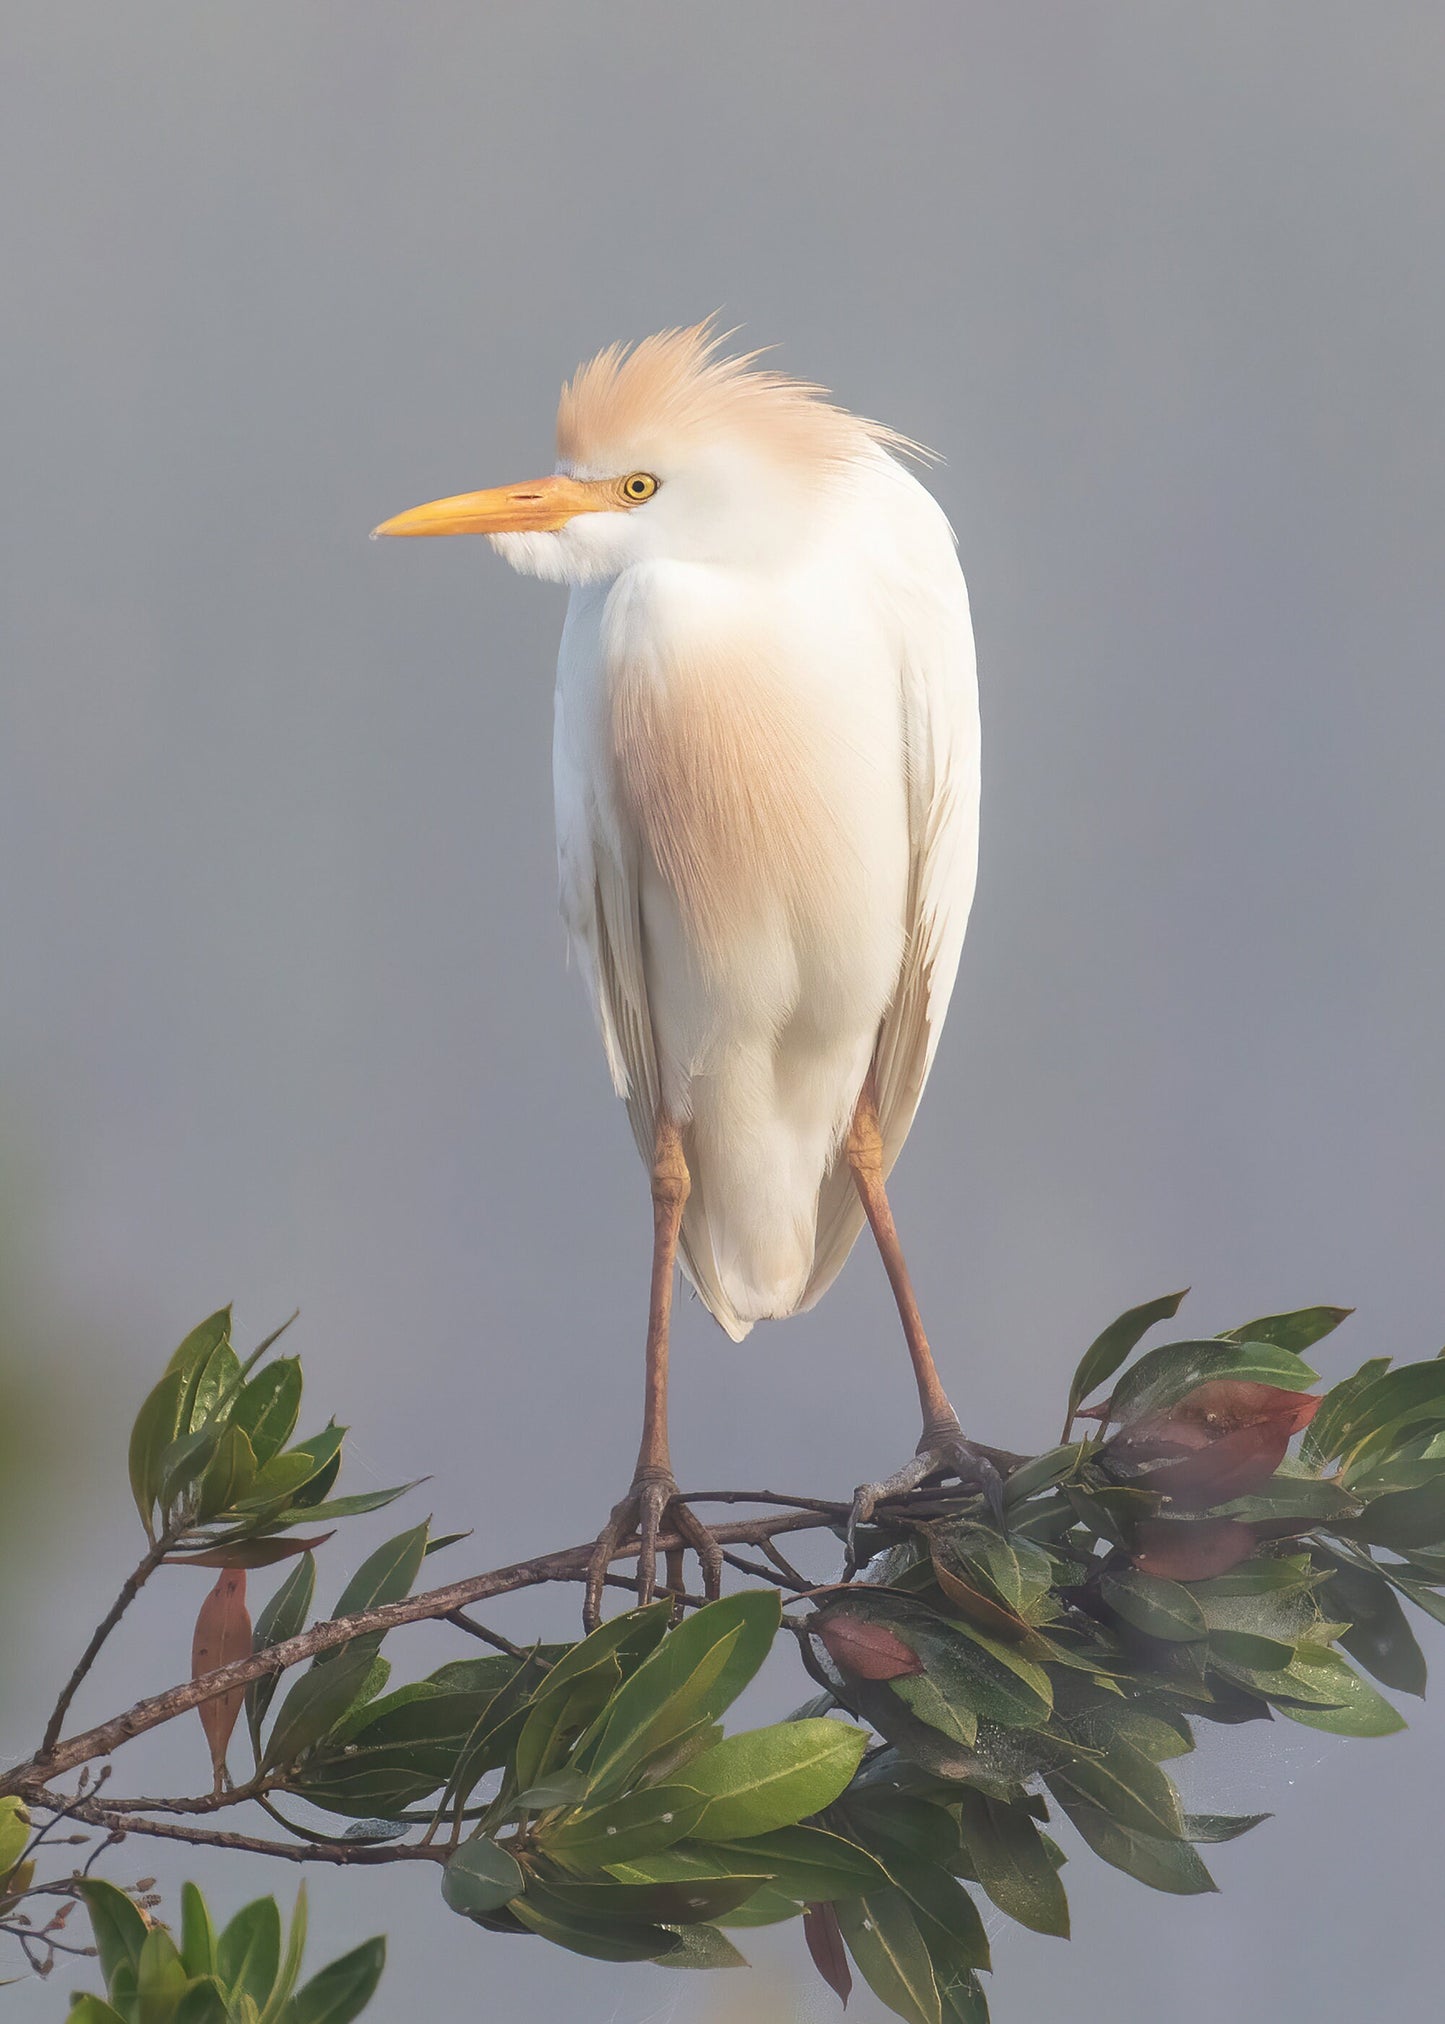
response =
{"points": [[568, 1565], [358, 1855]]}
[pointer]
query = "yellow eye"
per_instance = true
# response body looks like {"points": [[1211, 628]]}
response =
{"points": [[641, 485]]}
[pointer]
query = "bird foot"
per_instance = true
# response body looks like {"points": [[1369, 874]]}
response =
{"points": [[651, 1507], [943, 1452]]}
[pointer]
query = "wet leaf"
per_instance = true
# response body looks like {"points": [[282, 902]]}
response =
{"points": [[1220, 1441], [702, 1947], [1360, 1711], [598, 1939], [1127, 1787], [1405, 1519], [1172, 1866], [251, 1552], [1325, 1436], [1159, 1608], [1012, 1864], [222, 1635], [1221, 1826], [316, 1702]]}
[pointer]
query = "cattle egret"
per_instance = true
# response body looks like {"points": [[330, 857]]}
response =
{"points": [[766, 772]]}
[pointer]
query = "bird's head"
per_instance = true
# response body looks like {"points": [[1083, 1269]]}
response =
{"points": [[669, 451]]}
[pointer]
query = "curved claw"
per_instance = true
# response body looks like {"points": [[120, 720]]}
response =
{"points": [[645, 1510], [939, 1455]]}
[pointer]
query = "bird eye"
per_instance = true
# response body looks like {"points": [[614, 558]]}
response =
{"points": [[641, 485]]}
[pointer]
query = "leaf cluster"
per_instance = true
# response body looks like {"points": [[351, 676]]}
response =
{"points": [[216, 1476], [246, 1974]]}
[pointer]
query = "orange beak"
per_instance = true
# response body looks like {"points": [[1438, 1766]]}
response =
{"points": [[539, 507]]}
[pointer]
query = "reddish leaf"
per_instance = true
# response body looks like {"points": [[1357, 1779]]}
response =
{"points": [[1191, 1549], [1222, 1440], [253, 1552], [825, 1943], [869, 1651], [978, 1608], [223, 1634]]}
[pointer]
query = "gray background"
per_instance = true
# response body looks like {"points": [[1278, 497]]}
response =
{"points": [[283, 1011]]}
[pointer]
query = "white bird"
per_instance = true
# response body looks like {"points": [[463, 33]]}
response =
{"points": [[766, 764]]}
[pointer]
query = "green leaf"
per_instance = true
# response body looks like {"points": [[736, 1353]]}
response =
{"points": [[1159, 1608], [598, 1939], [198, 1936], [1042, 1472], [697, 1672], [1172, 1866], [204, 2002], [160, 1978], [348, 1507], [1359, 1710], [91, 2010], [679, 1902], [948, 1919], [1105, 1354], [481, 1877], [290, 1961], [156, 1426], [248, 1952], [1012, 1864], [1013, 1572], [266, 1407], [922, 1693], [623, 1829], [703, 1947], [342, 1990], [809, 1863], [1405, 1519], [556, 1718], [14, 1833], [1127, 1787], [228, 1476], [890, 1954], [1221, 1826], [1409, 1392], [1296, 1332], [1379, 1636], [384, 1576], [771, 1778], [1164, 1375], [317, 1702], [1325, 1434], [284, 1617], [116, 1923]]}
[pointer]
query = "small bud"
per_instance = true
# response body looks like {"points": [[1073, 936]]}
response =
{"points": [[867, 1650]]}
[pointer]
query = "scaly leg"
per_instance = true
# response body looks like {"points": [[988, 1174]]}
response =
{"points": [[942, 1450], [653, 1496]]}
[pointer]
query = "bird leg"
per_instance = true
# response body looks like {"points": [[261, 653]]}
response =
{"points": [[653, 1496], [942, 1450]]}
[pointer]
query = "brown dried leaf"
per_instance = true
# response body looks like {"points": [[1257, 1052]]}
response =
{"points": [[222, 1635], [253, 1552]]}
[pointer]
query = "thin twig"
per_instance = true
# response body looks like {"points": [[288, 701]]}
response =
{"points": [[131, 1588], [200, 1837], [479, 1630]]}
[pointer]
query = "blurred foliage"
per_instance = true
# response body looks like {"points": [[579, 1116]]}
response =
{"points": [[245, 1974], [981, 1682]]}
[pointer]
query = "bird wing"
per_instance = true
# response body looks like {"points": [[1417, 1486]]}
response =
{"points": [[939, 698], [600, 890]]}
